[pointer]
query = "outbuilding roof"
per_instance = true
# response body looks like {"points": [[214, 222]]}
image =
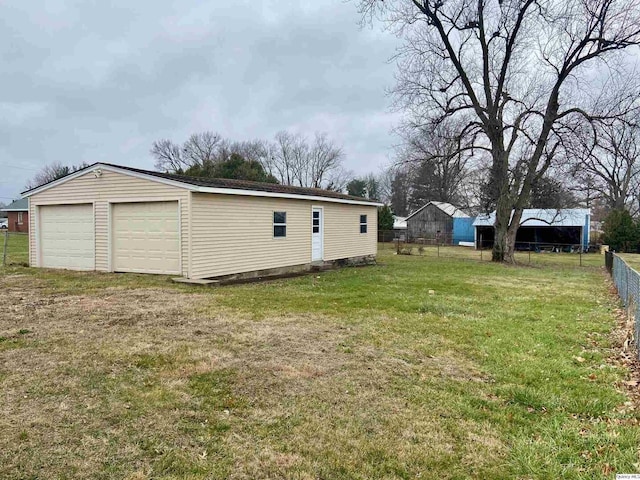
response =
{"points": [[21, 205], [214, 185], [542, 217], [449, 209], [399, 223]]}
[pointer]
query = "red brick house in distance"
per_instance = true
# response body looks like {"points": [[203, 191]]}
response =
{"points": [[18, 215]]}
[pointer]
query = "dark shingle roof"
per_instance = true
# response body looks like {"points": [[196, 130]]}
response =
{"points": [[238, 184], [244, 184]]}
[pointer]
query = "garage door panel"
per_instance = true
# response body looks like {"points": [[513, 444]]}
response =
{"points": [[145, 237], [66, 236]]}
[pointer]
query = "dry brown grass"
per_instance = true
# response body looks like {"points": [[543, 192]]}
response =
{"points": [[99, 386]]}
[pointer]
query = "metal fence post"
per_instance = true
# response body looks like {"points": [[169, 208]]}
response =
{"points": [[4, 248], [626, 298]]}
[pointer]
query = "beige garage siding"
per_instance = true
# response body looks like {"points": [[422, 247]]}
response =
{"points": [[342, 237], [109, 187], [234, 234]]}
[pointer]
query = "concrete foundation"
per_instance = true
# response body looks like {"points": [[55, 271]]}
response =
{"points": [[282, 272]]}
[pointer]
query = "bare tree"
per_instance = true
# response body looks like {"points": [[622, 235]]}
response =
{"points": [[608, 163], [202, 149], [519, 69], [295, 161], [385, 185], [337, 179], [552, 192], [323, 159], [400, 190], [254, 150], [290, 158], [436, 162], [168, 156], [51, 172], [287, 155]]}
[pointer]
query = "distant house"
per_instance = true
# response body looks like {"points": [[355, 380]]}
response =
{"points": [[439, 221], [18, 215], [541, 229]]}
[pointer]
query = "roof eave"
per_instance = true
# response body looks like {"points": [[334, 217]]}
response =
{"points": [[195, 188], [295, 196]]}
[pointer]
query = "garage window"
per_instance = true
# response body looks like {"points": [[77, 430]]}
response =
{"points": [[19, 218], [279, 224], [363, 224]]}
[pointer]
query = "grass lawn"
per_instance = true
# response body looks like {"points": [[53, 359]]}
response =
{"points": [[17, 248], [632, 259], [419, 367]]}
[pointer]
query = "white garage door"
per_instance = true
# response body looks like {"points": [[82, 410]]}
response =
{"points": [[145, 237], [66, 236]]}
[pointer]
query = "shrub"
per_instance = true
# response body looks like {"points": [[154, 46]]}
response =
{"points": [[620, 231]]}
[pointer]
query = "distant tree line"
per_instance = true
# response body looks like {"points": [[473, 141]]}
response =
{"points": [[601, 170], [52, 171], [289, 159]]}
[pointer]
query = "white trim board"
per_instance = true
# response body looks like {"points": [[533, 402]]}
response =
{"points": [[197, 188]]}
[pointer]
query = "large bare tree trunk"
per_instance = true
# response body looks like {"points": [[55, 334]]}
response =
{"points": [[501, 249], [512, 231], [504, 206], [506, 229]]}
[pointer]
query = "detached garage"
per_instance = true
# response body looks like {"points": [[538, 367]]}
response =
{"points": [[119, 219]]}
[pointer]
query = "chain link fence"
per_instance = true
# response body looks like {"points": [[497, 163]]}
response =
{"points": [[15, 248], [627, 282], [527, 253]]}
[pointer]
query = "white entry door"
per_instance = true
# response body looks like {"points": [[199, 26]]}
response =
{"points": [[317, 234]]}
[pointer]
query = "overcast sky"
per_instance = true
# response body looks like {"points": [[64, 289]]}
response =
{"points": [[87, 81]]}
